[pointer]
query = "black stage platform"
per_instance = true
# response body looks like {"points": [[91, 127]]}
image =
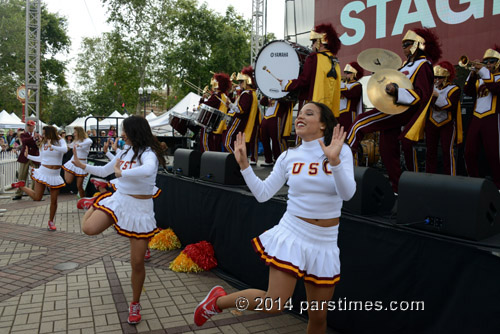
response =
{"points": [[454, 283]]}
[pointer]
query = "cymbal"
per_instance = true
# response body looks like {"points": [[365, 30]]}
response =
{"points": [[374, 59], [377, 94]]}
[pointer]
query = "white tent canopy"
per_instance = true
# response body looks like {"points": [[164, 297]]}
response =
{"points": [[151, 116], [80, 121], [9, 122], [185, 107], [13, 114], [107, 122]]}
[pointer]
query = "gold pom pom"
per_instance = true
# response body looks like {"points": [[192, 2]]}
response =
{"points": [[183, 264], [165, 240]]}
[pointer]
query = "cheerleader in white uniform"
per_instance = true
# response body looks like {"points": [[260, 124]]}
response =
{"points": [[320, 176], [82, 143], [130, 208], [49, 174]]}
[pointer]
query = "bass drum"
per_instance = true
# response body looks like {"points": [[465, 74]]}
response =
{"points": [[279, 60]]}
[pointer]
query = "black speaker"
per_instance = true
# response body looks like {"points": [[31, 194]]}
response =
{"points": [[374, 194], [220, 167], [187, 162], [458, 206]]}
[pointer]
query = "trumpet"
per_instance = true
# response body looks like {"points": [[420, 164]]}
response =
{"points": [[199, 91], [466, 63]]}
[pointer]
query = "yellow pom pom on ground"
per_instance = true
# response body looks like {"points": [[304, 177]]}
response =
{"points": [[165, 240], [183, 264]]}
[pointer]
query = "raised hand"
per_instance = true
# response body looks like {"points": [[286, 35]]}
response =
{"points": [[114, 146], [332, 151], [118, 170], [240, 151], [106, 146]]}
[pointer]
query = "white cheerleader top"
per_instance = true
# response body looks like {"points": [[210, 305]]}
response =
{"points": [[82, 148], [316, 189], [52, 155], [138, 176]]}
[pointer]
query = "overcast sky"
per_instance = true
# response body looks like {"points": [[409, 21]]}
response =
{"points": [[87, 18]]}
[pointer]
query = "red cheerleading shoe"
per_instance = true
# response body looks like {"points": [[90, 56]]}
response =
{"points": [[99, 183], [134, 315], [147, 256], [85, 203], [52, 226], [18, 184], [208, 306]]}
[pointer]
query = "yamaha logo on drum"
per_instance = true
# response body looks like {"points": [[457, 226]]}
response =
{"points": [[274, 90], [279, 54]]}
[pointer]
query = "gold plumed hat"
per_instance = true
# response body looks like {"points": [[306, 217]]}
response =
{"points": [[316, 35], [244, 77], [440, 71], [490, 53], [349, 68], [418, 41]]}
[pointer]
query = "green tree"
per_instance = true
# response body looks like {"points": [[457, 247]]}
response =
{"points": [[163, 42], [54, 40], [106, 74], [62, 109]]}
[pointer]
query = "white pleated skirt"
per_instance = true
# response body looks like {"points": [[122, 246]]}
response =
{"points": [[132, 217], [49, 177], [301, 249], [71, 168]]}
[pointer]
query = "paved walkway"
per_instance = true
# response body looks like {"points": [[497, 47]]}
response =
{"points": [[39, 296]]}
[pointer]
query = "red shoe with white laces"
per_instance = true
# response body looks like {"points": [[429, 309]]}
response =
{"points": [[18, 184], [85, 203], [147, 256], [99, 183], [134, 315], [52, 226], [208, 306]]}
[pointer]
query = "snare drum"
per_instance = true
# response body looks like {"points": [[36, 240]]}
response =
{"points": [[371, 151], [179, 122], [210, 118], [279, 60]]}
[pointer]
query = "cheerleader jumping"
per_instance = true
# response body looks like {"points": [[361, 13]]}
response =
{"points": [[49, 174], [82, 144], [130, 208], [320, 176]]}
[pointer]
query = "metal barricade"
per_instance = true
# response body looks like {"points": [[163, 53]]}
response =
{"points": [[8, 169]]}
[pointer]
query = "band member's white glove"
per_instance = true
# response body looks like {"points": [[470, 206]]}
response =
{"points": [[234, 108], [484, 73], [282, 84]]}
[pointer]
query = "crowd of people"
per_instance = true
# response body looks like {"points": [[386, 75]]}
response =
{"points": [[319, 170]]}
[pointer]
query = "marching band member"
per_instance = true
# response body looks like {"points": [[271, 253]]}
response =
{"points": [[445, 120], [421, 48], [130, 208], [483, 84], [319, 80], [245, 113], [320, 176], [272, 128], [48, 175], [218, 100], [82, 144], [351, 95]]}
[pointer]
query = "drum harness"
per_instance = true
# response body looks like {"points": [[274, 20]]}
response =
{"points": [[334, 61]]}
